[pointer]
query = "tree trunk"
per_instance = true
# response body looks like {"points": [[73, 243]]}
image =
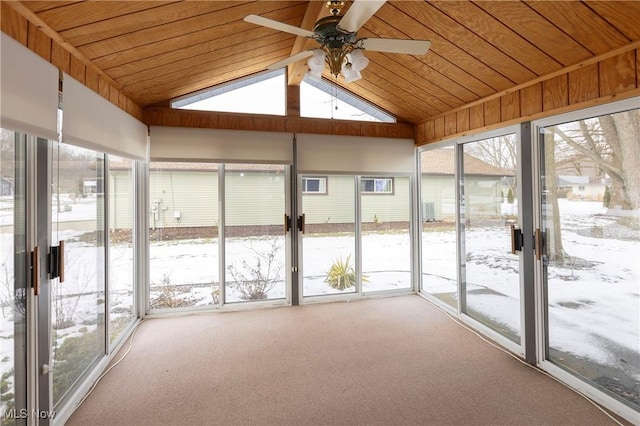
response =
{"points": [[553, 236], [627, 126], [622, 134]]}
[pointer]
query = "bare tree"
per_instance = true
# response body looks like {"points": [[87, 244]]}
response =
{"points": [[500, 152], [610, 142], [607, 144]]}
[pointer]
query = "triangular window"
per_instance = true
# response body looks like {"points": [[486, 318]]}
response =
{"points": [[321, 99], [262, 93]]}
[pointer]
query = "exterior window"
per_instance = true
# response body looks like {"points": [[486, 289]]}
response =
{"points": [[377, 185], [314, 185]]}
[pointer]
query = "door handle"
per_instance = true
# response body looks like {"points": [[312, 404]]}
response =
{"points": [[539, 242], [35, 271], [56, 262], [301, 224], [517, 239], [61, 261], [287, 223]]}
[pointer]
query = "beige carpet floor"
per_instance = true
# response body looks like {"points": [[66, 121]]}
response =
{"points": [[388, 361]]}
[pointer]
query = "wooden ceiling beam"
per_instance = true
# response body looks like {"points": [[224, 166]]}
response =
{"points": [[315, 10], [164, 116]]}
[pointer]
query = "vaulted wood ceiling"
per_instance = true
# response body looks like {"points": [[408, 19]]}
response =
{"points": [[158, 50]]}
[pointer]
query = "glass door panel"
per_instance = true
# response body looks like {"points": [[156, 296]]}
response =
{"points": [[121, 248], [438, 222], [77, 303], [489, 206], [13, 280], [183, 235], [386, 237], [255, 244], [591, 262], [329, 239]]}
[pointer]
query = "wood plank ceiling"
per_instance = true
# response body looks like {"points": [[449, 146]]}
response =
{"points": [[159, 50]]}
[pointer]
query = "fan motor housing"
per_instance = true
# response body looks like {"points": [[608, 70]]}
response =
{"points": [[328, 33]]}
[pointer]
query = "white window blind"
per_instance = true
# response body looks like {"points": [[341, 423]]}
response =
{"points": [[359, 155], [93, 122], [182, 143], [29, 95]]}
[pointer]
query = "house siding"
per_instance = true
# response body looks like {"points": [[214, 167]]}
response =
{"points": [[440, 192], [254, 198], [191, 194], [120, 200], [336, 206]]}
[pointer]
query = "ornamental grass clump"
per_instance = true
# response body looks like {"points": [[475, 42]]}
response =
{"points": [[341, 274]]}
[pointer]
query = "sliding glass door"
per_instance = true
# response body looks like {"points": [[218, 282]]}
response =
{"points": [[191, 265], [469, 211], [386, 232], [590, 222], [13, 272], [438, 224], [357, 234], [78, 273], [183, 235], [488, 208], [121, 246], [255, 247], [329, 235]]}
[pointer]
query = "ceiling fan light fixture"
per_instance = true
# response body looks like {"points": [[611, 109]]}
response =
{"points": [[316, 62], [350, 73], [315, 75], [358, 60]]}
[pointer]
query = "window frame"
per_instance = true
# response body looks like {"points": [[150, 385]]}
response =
{"points": [[375, 180], [322, 190]]}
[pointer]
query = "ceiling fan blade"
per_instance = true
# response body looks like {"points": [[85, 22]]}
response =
{"points": [[359, 13], [391, 45], [290, 60], [280, 26]]}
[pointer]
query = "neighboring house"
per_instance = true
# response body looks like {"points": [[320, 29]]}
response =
{"points": [[483, 185], [6, 187], [587, 188], [326, 199]]}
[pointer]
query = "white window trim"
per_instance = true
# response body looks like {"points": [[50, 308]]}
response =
{"points": [[375, 186], [322, 186]]}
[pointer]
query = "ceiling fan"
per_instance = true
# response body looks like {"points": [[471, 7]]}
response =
{"points": [[340, 46]]}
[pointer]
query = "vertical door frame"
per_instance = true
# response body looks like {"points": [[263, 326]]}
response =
{"points": [[43, 175], [295, 290]]}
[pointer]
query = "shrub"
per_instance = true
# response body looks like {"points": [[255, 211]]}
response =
{"points": [[255, 278], [72, 358], [341, 274], [169, 295], [510, 197]]}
